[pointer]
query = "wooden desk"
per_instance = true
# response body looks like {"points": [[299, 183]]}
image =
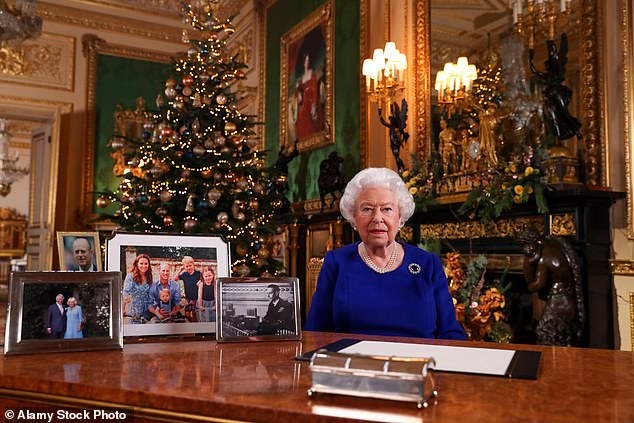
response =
{"points": [[206, 381]]}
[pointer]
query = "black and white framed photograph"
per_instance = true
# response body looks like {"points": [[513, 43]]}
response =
{"points": [[169, 281], [79, 251], [258, 309], [63, 311]]}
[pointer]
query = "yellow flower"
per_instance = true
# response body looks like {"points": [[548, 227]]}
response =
{"points": [[513, 168], [528, 171], [413, 190], [519, 189], [517, 199], [405, 174], [504, 187], [408, 184], [529, 189]]}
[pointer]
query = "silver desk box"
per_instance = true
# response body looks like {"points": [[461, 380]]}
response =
{"points": [[394, 378]]}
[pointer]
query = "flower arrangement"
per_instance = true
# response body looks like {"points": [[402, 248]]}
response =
{"points": [[421, 185], [499, 190], [480, 306]]}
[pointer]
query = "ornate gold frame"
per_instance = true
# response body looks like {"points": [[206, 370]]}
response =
{"points": [[627, 30], [592, 88], [326, 12], [91, 47]]}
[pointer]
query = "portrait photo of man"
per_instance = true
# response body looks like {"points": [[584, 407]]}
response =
{"points": [[79, 252]]}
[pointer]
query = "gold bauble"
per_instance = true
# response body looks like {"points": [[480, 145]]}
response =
{"points": [[264, 253], [102, 202], [168, 221]]}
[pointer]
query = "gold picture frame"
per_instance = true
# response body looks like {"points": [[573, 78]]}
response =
{"points": [[307, 81], [627, 28], [34, 327], [74, 253]]}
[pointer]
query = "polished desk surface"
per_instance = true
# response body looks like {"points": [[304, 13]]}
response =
{"points": [[196, 380]]}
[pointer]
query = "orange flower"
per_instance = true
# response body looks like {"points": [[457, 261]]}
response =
{"points": [[519, 189]]}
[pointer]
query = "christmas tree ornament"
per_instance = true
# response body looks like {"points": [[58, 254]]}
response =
{"points": [[219, 140], [209, 143], [203, 77], [258, 189], [185, 35], [124, 187], [168, 221], [240, 217], [221, 99], [195, 125], [187, 80], [264, 253], [242, 184], [253, 224], [222, 217], [214, 194], [254, 204], [157, 171], [207, 100], [207, 173], [189, 207], [116, 143], [159, 101], [199, 150], [161, 212], [191, 52], [170, 92], [170, 83], [243, 270], [187, 90], [230, 127], [102, 202], [203, 204], [226, 150], [179, 154], [218, 177], [242, 250], [185, 174], [142, 198], [197, 100], [190, 224], [166, 131]]}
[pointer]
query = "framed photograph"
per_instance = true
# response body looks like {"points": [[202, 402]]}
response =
{"points": [[79, 251], [63, 311], [170, 281], [258, 309], [306, 82], [278, 247]]}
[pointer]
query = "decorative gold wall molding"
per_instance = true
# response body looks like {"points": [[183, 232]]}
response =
{"points": [[92, 20], [261, 9], [627, 43], [563, 224], [46, 62], [167, 8], [503, 228], [591, 93], [92, 46], [622, 267], [231, 8], [421, 68]]}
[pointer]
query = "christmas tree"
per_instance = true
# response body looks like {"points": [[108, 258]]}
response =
{"points": [[197, 167]]}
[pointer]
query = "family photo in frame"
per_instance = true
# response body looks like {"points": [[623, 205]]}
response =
{"points": [[79, 251], [63, 311], [169, 281], [254, 309]]}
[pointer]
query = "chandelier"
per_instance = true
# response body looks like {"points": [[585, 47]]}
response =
{"points": [[532, 17], [454, 83], [19, 22], [9, 172]]}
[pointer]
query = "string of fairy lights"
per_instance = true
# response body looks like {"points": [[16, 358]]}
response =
{"points": [[196, 167]]}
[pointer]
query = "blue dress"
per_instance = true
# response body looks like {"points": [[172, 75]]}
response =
{"points": [[73, 317], [412, 300], [140, 294]]}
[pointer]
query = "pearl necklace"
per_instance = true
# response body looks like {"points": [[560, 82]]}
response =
{"points": [[372, 265]]}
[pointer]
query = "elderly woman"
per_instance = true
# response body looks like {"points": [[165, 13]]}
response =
{"points": [[379, 286], [74, 320]]}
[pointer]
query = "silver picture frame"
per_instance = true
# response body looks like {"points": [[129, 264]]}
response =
{"points": [[32, 301], [258, 309]]}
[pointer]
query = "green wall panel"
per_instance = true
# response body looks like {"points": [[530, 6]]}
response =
{"points": [[304, 170], [120, 80]]}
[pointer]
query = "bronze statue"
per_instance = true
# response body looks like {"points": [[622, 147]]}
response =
{"points": [[551, 269], [398, 136], [330, 179], [556, 95], [447, 147]]}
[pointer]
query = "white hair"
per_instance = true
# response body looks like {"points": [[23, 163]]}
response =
{"points": [[376, 177]]}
